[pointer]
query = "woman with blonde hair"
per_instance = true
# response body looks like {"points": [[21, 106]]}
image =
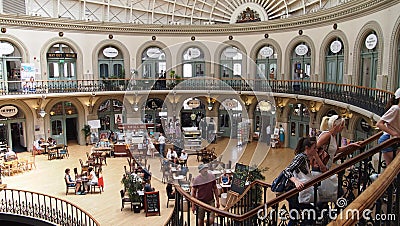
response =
{"points": [[330, 127]]}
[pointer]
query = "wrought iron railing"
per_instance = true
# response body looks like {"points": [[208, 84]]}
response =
{"points": [[355, 177], [45, 207], [370, 99]]}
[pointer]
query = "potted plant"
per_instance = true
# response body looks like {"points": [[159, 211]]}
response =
{"points": [[86, 132], [132, 185]]}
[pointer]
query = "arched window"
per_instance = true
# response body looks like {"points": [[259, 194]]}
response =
{"points": [[266, 62], [10, 67], [111, 63], [61, 62], [193, 62], [334, 60], [369, 61], [231, 63], [301, 62], [153, 63], [110, 115]]}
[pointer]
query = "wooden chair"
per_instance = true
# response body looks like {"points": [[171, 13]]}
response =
{"points": [[125, 199], [84, 167], [32, 161], [68, 187], [64, 152], [93, 188]]}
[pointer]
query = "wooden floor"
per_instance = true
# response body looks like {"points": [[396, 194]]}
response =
{"points": [[48, 178]]}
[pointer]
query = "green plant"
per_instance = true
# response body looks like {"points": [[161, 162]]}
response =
{"points": [[86, 131], [132, 185], [256, 174]]}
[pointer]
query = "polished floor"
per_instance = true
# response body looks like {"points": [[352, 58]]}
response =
{"points": [[48, 178]]}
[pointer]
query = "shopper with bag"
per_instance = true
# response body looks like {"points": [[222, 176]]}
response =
{"points": [[305, 151], [327, 148]]}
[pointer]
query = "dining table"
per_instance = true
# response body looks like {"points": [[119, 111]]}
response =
{"points": [[56, 149]]}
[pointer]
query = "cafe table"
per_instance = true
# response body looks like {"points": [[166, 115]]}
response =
{"points": [[44, 146], [56, 148]]}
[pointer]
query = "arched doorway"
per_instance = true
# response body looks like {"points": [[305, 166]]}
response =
{"points": [[12, 128], [299, 123], [64, 122], [10, 66]]}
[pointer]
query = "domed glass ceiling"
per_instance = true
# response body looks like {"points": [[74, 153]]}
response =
{"points": [[177, 12]]}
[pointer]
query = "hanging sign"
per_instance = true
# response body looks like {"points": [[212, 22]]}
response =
{"points": [[193, 103], [230, 104], [336, 46], [6, 48], [110, 52], [301, 50], [371, 41], [266, 51], [153, 52], [8, 111]]}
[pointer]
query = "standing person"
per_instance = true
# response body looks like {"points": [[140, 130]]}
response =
{"points": [[150, 146], [305, 151], [205, 189], [281, 135], [161, 141], [268, 130], [330, 127], [390, 124]]}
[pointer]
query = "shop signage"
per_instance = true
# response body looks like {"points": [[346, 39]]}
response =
{"points": [[230, 52], [61, 55], [301, 50], [193, 103], [336, 46], [110, 52], [230, 104], [266, 51], [6, 48], [8, 111], [193, 53], [153, 52], [265, 106], [371, 41]]}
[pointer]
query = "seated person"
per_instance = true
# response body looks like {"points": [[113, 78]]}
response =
{"points": [[51, 141], [169, 155], [225, 178], [184, 156], [93, 180], [170, 190], [10, 155], [148, 188], [72, 183], [38, 146], [174, 156]]}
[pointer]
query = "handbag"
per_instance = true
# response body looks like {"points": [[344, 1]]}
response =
{"points": [[323, 155], [280, 184], [306, 195], [328, 190]]}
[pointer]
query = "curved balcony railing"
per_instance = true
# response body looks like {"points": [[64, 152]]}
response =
{"points": [[354, 180], [370, 99], [45, 207]]}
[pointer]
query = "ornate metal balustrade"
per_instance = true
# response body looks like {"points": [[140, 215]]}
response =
{"points": [[45, 207], [253, 208], [373, 100]]}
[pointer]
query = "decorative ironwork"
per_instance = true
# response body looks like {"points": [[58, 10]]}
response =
{"points": [[41, 206]]}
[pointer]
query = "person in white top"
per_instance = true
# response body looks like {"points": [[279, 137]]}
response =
{"points": [[10, 155], [390, 124], [184, 155], [169, 154], [161, 141], [93, 180], [150, 147], [174, 156]]}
